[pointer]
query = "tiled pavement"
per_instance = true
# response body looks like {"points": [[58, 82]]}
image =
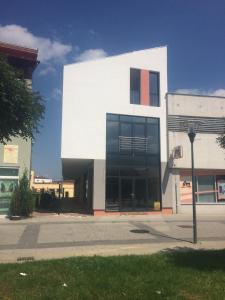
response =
{"points": [[65, 235]]}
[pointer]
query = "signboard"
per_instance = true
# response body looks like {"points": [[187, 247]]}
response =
{"points": [[221, 189], [178, 152], [11, 154]]}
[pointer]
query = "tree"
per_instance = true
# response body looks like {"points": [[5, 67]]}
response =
{"points": [[21, 109], [22, 202], [221, 139]]}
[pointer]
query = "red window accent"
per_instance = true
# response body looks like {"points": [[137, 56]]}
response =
{"points": [[145, 88]]}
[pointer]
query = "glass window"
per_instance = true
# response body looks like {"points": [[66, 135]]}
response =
{"points": [[132, 171], [154, 88], [9, 172], [134, 86], [112, 117], [126, 130], [112, 189], [112, 141], [139, 130], [206, 189]]}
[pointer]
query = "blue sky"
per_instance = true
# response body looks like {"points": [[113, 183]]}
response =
{"points": [[69, 31]]}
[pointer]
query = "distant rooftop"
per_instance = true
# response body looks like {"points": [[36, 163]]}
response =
{"points": [[20, 57]]}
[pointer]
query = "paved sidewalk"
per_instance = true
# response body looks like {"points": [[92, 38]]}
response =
{"points": [[56, 236]]}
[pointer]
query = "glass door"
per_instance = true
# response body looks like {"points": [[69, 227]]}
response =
{"points": [[140, 189], [7, 186], [127, 193]]}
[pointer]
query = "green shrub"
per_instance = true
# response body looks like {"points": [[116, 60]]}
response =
{"points": [[22, 202]]}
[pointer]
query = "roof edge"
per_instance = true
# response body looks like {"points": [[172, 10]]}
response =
{"points": [[116, 55], [195, 95]]}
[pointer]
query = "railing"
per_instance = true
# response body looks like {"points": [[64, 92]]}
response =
{"points": [[138, 144]]}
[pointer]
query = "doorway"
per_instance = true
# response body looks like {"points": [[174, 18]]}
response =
{"points": [[134, 193]]}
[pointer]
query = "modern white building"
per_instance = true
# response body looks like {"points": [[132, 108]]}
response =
{"points": [[114, 131], [121, 133]]}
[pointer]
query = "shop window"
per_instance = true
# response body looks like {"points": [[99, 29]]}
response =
{"points": [[144, 87], [206, 189]]}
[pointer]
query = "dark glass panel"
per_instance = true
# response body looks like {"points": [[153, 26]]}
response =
{"points": [[138, 119], [154, 83], [154, 88], [127, 194], [153, 138], [154, 189], [139, 160], [112, 171], [127, 171], [9, 172], [139, 130], [126, 129], [155, 100], [134, 86], [112, 117], [126, 118], [140, 192], [112, 189], [153, 121], [112, 132]]}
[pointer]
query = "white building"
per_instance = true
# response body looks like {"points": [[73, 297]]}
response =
{"points": [[120, 130], [114, 133]]}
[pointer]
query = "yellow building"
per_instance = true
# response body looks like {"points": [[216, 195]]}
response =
{"points": [[66, 187]]}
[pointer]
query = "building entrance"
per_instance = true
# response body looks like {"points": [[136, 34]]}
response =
{"points": [[133, 179], [134, 193]]}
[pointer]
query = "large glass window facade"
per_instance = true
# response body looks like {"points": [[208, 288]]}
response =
{"points": [[132, 163]]}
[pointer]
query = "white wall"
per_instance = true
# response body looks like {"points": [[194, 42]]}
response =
{"points": [[92, 89], [207, 153]]}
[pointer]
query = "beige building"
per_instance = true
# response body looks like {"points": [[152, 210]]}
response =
{"points": [[209, 158], [15, 157]]}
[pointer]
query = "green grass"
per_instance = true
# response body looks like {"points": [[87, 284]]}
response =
{"points": [[172, 275]]}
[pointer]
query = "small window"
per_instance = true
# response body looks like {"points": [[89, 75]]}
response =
{"points": [[144, 87], [154, 88], [134, 86], [9, 172]]}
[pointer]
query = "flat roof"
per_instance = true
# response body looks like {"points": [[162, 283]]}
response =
{"points": [[19, 51], [195, 95]]}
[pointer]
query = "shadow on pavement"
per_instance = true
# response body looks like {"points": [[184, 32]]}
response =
{"points": [[152, 231], [200, 259]]}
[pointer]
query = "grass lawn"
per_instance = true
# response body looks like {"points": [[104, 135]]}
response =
{"points": [[172, 275]]}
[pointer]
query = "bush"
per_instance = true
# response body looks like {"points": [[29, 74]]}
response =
{"points": [[22, 203]]}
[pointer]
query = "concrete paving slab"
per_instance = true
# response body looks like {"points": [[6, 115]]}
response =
{"points": [[85, 232], [10, 235]]}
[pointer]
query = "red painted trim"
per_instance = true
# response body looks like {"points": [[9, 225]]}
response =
{"points": [[145, 87], [100, 212], [19, 52]]}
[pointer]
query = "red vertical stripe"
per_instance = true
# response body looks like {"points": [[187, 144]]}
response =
{"points": [[145, 87]]}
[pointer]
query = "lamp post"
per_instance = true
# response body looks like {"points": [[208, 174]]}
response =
{"points": [[192, 127], [191, 135]]}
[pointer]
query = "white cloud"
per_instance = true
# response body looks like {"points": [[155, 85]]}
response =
{"points": [[91, 54], [218, 92], [48, 69], [56, 94], [48, 49]]}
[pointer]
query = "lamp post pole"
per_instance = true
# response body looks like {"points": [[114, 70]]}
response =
{"points": [[192, 135]]}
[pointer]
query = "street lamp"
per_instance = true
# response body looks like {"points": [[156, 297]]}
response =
{"points": [[192, 127]]}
